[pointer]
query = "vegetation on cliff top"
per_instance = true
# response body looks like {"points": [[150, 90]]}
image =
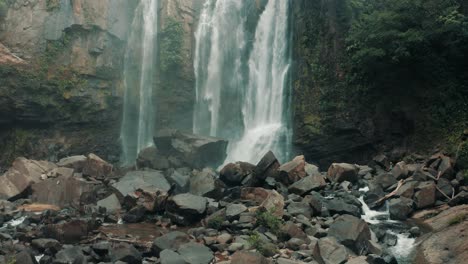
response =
{"points": [[401, 56]]}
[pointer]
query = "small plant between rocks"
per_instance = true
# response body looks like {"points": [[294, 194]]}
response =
{"points": [[216, 223], [267, 219]]}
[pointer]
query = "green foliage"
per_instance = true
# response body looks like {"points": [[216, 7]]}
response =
{"points": [[457, 219], [172, 41], [269, 220], [256, 242], [215, 223]]}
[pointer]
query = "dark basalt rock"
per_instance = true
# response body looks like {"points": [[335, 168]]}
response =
{"points": [[192, 150]]}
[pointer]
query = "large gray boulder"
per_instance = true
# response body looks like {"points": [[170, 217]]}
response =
{"points": [[352, 232], [170, 241], [205, 183], [266, 167], [339, 172], [22, 175], [186, 209], [330, 251], [234, 173], [400, 208], [292, 171], [192, 150], [135, 180], [195, 253], [425, 195], [310, 183]]}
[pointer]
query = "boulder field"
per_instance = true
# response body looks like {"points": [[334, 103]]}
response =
{"points": [[85, 210]]}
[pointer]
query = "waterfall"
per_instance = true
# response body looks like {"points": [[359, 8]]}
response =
{"points": [[138, 119], [242, 78]]}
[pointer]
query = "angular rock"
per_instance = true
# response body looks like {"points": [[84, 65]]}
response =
{"points": [[151, 158], [234, 173], [126, 253], [70, 255], [134, 215], [192, 150], [385, 180], [311, 169], [292, 171], [460, 198], [46, 243], [111, 203], [135, 180], [407, 189], [186, 208], [180, 178], [75, 162], [382, 161], [234, 210], [170, 257], [400, 208], [170, 241], [268, 199], [300, 208], [307, 184], [425, 194], [244, 257], [400, 170], [62, 191], [352, 232], [96, 167], [22, 175], [194, 253], [339, 206], [339, 172], [24, 257], [205, 183], [266, 167], [445, 186], [330, 251]]}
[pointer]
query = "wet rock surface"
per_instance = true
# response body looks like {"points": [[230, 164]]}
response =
{"points": [[264, 213]]}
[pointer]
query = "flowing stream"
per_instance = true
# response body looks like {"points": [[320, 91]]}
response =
{"points": [[138, 120], [405, 245], [242, 72]]}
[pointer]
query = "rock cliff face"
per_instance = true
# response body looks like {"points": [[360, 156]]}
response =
{"points": [[64, 96], [327, 125], [61, 65], [175, 92]]}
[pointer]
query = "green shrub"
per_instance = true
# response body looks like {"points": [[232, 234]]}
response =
{"points": [[269, 220], [215, 223]]}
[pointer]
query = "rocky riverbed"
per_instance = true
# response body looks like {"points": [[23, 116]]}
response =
{"points": [[173, 207]]}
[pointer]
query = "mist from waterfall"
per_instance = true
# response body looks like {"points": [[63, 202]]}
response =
{"points": [[243, 78], [138, 119]]}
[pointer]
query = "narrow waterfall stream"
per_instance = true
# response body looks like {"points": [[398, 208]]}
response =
{"points": [[405, 245], [242, 78], [138, 120]]}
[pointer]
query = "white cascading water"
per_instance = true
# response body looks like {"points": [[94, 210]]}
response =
{"points": [[405, 244], [242, 87], [138, 121]]}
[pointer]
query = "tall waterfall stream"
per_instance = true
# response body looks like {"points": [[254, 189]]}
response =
{"points": [[242, 86], [138, 121]]}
